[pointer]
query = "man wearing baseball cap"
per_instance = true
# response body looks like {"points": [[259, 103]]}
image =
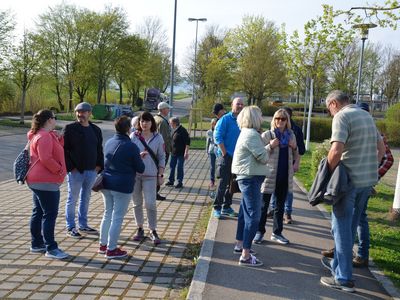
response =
{"points": [[83, 149]]}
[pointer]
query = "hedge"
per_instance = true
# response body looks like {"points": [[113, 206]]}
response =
{"points": [[321, 128]]}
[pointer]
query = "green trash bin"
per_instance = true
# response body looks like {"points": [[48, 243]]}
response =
{"points": [[101, 112]]}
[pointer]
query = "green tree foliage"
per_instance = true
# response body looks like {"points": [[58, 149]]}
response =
{"points": [[6, 28]]}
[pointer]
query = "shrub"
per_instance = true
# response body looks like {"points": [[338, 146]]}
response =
{"points": [[267, 109], [321, 128], [321, 151], [392, 133], [393, 113]]}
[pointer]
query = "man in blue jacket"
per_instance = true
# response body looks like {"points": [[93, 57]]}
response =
{"points": [[226, 134]]}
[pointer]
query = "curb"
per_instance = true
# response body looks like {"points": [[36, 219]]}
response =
{"points": [[386, 283]]}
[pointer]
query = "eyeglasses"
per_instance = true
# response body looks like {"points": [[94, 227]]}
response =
{"points": [[281, 119]]}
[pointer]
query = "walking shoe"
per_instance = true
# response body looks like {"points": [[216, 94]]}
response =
{"points": [[326, 262], [238, 250], [360, 262], [57, 254], [179, 185], [74, 233], [139, 235], [252, 261], [331, 282], [258, 239], [270, 214], [116, 253], [88, 230], [169, 183], [161, 198], [39, 249], [328, 253], [279, 238], [102, 249], [217, 213], [229, 212], [212, 195], [154, 237], [288, 219]]}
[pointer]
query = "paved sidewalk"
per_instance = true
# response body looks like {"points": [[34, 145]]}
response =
{"points": [[149, 272]]}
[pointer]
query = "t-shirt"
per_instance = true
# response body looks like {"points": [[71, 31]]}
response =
{"points": [[356, 129], [90, 149]]}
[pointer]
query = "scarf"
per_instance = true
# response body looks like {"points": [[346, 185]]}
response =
{"points": [[283, 137]]}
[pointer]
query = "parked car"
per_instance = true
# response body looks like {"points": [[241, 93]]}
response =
{"points": [[152, 98], [127, 110]]}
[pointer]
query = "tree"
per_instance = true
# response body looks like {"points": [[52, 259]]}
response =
{"points": [[6, 28], [390, 77]]}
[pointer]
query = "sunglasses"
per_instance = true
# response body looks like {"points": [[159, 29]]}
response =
{"points": [[54, 117], [281, 119]]}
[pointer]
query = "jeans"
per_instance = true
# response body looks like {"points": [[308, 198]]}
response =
{"points": [[250, 210], [180, 160], [115, 207], [79, 185], [212, 167], [288, 203], [362, 226], [223, 196], [44, 216]]}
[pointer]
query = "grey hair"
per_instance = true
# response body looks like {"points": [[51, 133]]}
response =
{"points": [[250, 117], [337, 95], [175, 120]]}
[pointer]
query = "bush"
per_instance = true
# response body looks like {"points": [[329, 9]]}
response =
{"points": [[321, 128], [267, 109], [391, 130], [393, 113], [318, 154]]}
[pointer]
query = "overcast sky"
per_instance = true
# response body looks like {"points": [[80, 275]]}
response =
{"points": [[225, 13]]}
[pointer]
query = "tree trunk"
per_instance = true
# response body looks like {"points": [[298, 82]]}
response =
{"points": [[120, 93], [105, 92], [70, 94], [59, 99], [23, 97], [99, 90]]}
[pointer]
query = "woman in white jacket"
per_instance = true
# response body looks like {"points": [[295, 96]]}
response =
{"points": [[248, 164]]}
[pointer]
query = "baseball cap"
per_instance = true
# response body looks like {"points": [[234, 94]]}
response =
{"points": [[163, 105], [217, 107], [83, 106]]}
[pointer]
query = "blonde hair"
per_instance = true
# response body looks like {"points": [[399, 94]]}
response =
{"points": [[250, 117], [279, 114]]}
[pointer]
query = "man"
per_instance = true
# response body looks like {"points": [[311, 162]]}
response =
{"points": [[226, 134], [180, 152], [164, 129], [354, 143], [218, 110], [84, 159]]}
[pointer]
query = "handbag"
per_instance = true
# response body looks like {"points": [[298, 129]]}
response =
{"points": [[234, 185], [22, 165]]}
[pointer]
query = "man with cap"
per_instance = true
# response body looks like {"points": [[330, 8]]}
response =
{"points": [[164, 129], [83, 149]]}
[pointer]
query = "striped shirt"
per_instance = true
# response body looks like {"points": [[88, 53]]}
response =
{"points": [[356, 129]]}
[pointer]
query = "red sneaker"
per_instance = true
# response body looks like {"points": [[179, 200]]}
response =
{"points": [[116, 253], [102, 249]]}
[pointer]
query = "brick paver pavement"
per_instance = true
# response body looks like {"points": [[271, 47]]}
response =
{"points": [[148, 272]]}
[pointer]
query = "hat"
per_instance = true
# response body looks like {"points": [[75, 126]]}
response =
{"points": [[83, 106], [363, 106], [163, 105], [217, 107]]}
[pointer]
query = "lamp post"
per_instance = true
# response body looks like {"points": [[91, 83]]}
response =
{"points": [[171, 97], [364, 28], [195, 56]]}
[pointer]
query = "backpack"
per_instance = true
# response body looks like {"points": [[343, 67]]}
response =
{"points": [[22, 165]]}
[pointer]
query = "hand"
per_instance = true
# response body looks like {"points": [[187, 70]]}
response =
{"points": [[186, 156], [292, 144], [160, 180], [97, 169], [143, 154], [295, 167], [274, 143]]}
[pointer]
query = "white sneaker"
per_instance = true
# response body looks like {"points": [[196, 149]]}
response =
{"points": [[57, 254], [279, 238]]}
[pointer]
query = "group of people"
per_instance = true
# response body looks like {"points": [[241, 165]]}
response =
{"points": [[132, 169]]}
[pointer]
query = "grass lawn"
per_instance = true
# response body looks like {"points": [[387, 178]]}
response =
{"points": [[198, 143], [385, 237]]}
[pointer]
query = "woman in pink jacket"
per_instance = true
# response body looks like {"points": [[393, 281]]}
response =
{"points": [[46, 174]]}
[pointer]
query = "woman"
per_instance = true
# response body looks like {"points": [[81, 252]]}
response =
{"points": [[211, 151], [44, 178], [151, 147], [122, 162], [282, 148], [248, 164]]}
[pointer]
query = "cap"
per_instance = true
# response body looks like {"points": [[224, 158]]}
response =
{"points": [[364, 106], [163, 105], [83, 106], [217, 107]]}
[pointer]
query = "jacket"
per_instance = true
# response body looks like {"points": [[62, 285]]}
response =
{"points": [[47, 158], [180, 139], [227, 132], [329, 188], [164, 129], [73, 146]]}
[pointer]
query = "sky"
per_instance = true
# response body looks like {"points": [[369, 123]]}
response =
{"points": [[224, 13]]}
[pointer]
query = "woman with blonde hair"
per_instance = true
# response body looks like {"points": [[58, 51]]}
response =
{"points": [[282, 148], [249, 159]]}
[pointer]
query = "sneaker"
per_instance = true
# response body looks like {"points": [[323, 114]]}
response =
{"points": [[288, 219], [212, 195], [359, 262], [154, 237], [88, 230], [238, 250], [229, 212], [330, 253], [326, 262], [258, 239], [57, 254], [74, 233], [116, 253], [139, 235], [252, 261], [217, 213], [102, 249], [39, 249], [279, 238], [331, 282], [159, 197], [179, 185], [169, 183]]}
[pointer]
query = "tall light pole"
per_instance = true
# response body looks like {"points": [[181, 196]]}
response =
{"points": [[364, 28], [195, 57], [171, 97]]}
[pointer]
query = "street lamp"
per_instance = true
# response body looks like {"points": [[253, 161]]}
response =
{"points": [[364, 28], [171, 97], [195, 55]]}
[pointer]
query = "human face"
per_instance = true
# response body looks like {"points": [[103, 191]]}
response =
{"points": [[164, 111], [237, 105], [332, 107], [281, 122], [83, 117], [145, 125]]}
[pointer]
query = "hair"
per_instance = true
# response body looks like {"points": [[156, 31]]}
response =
{"points": [[135, 121], [250, 117], [213, 122], [337, 95], [281, 113], [288, 110], [122, 124], [40, 118], [146, 116], [175, 120]]}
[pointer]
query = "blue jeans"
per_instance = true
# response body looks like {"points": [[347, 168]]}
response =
{"points": [[250, 210], [44, 216], [180, 160], [288, 203], [360, 223], [212, 166], [115, 207], [79, 185]]}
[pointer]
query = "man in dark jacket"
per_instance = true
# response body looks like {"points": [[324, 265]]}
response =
{"points": [[84, 159], [180, 152]]}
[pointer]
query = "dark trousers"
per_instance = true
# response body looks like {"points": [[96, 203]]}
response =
{"points": [[43, 220], [166, 161], [176, 160], [224, 197]]}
